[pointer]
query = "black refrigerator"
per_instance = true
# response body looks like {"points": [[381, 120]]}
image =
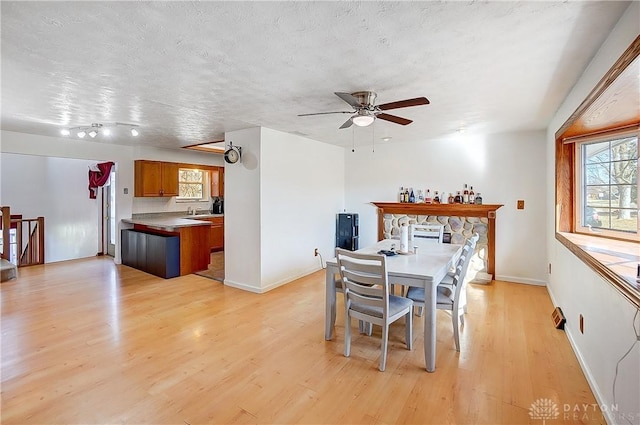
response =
{"points": [[347, 231]]}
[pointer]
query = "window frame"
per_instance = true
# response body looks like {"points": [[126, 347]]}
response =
{"points": [[599, 258], [579, 206]]}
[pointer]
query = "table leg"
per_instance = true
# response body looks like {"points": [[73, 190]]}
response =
{"points": [[330, 303], [430, 294]]}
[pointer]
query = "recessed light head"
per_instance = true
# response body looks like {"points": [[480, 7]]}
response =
{"points": [[386, 139], [65, 132], [81, 134], [134, 132], [106, 132], [93, 134]]}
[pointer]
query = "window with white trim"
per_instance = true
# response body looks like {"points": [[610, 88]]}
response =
{"points": [[192, 185], [607, 185]]}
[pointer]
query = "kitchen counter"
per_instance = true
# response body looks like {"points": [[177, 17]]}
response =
{"points": [[169, 221], [194, 236], [169, 224]]}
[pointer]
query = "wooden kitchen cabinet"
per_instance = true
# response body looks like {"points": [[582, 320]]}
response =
{"points": [[155, 178], [217, 233], [217, 181]]}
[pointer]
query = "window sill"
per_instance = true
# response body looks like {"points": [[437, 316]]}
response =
{"points": [[616, 261]]}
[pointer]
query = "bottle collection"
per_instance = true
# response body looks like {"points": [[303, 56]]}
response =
{"points": [[465, 196]]}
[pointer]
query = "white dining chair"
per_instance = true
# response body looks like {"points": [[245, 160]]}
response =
{"points": [[447, 298], [429, 231], [469, 245], [365, 286]]}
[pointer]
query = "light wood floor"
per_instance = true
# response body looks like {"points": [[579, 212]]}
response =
{"points": [[88, 341]]}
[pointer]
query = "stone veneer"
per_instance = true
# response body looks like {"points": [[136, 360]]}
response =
{"points": [[460, 228]]}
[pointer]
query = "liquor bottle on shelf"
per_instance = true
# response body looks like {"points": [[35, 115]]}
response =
{"points": [[401, 194], [472, 196], [427, 198], [451, 199], [420, 197], [458, 198], [436, 198], [465, 194], [412, 197], [406, 194], [478, 199]]}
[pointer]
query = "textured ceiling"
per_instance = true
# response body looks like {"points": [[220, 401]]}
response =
{"points": [[187, 72]]}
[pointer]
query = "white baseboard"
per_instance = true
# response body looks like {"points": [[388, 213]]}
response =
{"points": [[272, 286], [583, 365], [521, 280]]}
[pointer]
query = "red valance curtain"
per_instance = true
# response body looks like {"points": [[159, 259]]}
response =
{"points": [[98, 176]]}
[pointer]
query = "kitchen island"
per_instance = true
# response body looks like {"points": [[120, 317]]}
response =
{"points": [[193, 244]]}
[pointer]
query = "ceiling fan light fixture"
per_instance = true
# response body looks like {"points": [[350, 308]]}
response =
{"points": [[363, 120], [65, 132], [93, 134], [106, 132], [81, 134]]}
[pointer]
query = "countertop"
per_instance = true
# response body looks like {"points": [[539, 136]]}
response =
{"points": [[169, 221]]}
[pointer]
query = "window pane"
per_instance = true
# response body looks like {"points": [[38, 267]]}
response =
{"points": [[597, 196], [597, 152], [610, 184], [591, 217], [597, 173], [190, 190], [626, 148], [190, 176]]}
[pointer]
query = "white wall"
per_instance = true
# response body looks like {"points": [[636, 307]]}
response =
{"points": [[503, 167], [608, 316], [58, 147], [54, 188], [242, 213], [302, 190], [280, 204]]}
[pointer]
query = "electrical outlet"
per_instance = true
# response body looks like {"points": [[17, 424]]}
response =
{"points": [[315, 252], [520, 204]]}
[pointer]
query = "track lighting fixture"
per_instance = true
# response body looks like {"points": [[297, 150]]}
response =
{"points": [[97, 129]]}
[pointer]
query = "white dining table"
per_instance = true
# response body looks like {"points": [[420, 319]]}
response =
{"points": [[424, 269]]}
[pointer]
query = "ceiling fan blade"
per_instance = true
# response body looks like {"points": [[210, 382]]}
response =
{"points": [[326, 113], [346, 124], [404, 103], [347, 97], [393, 118]]}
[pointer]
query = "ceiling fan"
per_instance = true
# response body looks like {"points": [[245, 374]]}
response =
{"points": [[366, 111]]}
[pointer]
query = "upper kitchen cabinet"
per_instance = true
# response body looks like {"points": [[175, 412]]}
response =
{"points": [[217, 181], [155, 178]]}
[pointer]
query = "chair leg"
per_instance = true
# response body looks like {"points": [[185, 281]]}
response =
{"points": [[408, 329], [385, 338], [347, 336], [456, 331], [419, 312]]}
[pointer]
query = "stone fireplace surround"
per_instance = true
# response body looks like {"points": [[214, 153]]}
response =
{"points": [[460, 220]]}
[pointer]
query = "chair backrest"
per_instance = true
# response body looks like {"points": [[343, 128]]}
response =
{"points": [[433, 232], [458, 284], [469, 247], [364, 280]]}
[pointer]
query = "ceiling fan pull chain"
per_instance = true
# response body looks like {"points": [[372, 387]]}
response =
{"points": [[353, 139], [373, 130]]}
